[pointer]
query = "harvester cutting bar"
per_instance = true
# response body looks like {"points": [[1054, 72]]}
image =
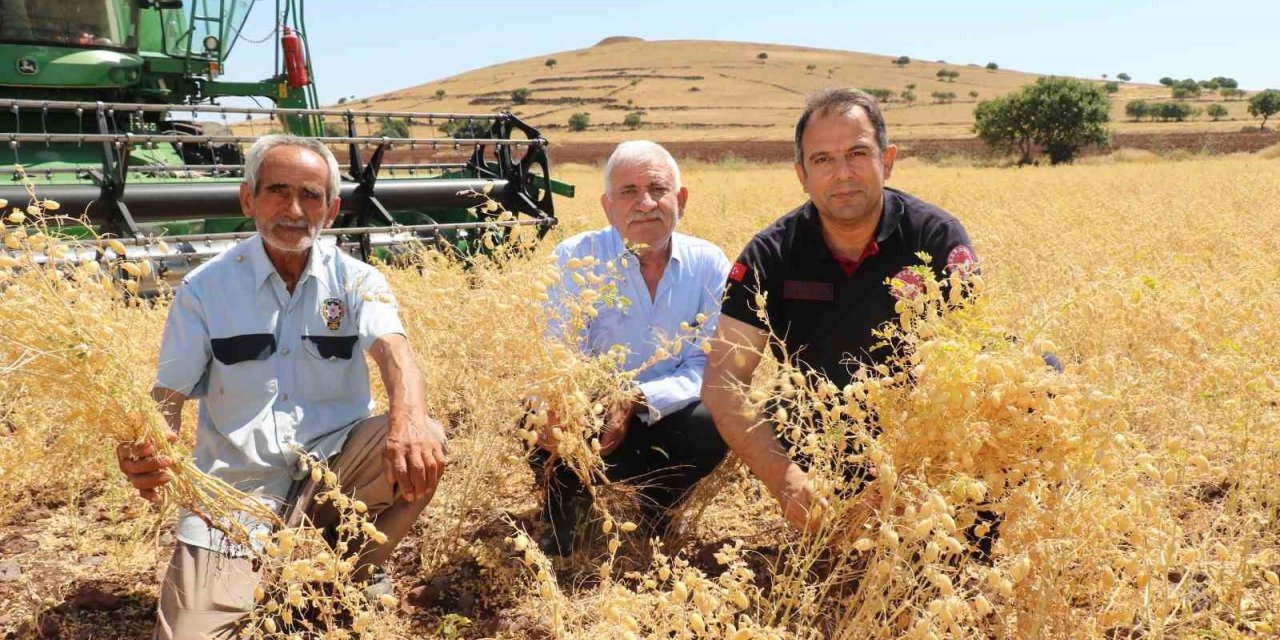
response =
{"points": [[133, 139], [158, 202], [188, 169], [125, 107]]}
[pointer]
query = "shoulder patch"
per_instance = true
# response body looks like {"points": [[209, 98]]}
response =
{"points": [[962, 260], [737, 272]]}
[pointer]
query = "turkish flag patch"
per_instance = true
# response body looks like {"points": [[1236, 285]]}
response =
{"points": [[737, 272]]}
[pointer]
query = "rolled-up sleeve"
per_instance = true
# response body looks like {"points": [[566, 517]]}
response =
{"points": [[683, 387], [377, 312], [184, 347]]}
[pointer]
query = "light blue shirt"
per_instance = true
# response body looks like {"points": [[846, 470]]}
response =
{"points": [[692, 284], [271, 370]]}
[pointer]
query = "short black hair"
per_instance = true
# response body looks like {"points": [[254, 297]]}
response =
{"points": [[841, 100]]}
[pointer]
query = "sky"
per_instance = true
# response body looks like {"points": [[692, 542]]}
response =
{"points": [[369, 47]]}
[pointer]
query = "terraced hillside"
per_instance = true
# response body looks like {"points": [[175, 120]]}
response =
{"points": [[687, 90]]}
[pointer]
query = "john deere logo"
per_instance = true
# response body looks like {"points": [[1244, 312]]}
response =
{"points": [[28, 66]]}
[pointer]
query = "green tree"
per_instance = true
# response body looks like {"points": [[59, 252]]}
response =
{"points": [[908, 97], [948, 75], [1167, 81], [1061, 115], [762, 56], [634, 120], [1111, 87], [883, 95], [1230, 94], [1137, 109], [393, 128], [521, 95], [902, 61], [579, 121], [465, 128], [1264, 104], [991, 66], [342, 100], [1185, 92], [1224, 82], [1123, 77], [1216, 111], [440, 94], [973, 94], [1172, 111], [551, 63]]}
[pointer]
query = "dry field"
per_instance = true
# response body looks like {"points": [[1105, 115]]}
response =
{"points": [[712, 90], [1139, 488]]}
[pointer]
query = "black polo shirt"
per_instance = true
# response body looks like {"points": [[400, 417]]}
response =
{"points": [[824, 317]]}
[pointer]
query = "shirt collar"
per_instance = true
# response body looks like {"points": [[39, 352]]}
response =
{"points": [[891, 213], [262, 267]]}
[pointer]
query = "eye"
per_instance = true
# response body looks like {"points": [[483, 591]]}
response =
{"points": [[820, 160], [627, 191], [311, 194]]}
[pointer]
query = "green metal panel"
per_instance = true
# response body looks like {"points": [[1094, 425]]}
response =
{"points": [[64, 67]]}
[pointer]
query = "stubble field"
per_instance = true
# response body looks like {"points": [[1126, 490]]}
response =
{"points": [[1140, 489]]}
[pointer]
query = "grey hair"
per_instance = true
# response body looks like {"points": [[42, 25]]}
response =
{"points": [[841, 101], [636, 151], [258, 153]]}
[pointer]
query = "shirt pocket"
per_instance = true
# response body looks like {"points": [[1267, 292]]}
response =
{"points": [[327, 369], [242, 381]]}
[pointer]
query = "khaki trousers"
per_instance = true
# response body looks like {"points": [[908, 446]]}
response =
{"points": [[205, 593]]}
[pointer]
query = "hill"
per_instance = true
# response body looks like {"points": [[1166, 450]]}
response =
{"points": [[695, 90]]}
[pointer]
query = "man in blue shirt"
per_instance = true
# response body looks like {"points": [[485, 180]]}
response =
{"points": [[661, 436], [266, 335]]}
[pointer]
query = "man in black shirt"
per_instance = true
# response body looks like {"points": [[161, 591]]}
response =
{"points": [[822, 269]]}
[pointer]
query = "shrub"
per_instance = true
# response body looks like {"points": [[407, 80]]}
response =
{"points": [[1123, 77], [551, 63], [440, 93], [1216, 111], [762, 56], [991, 66], [902, 61], [579, 121], [1137, 109], [521, 95], [1112, 87], [634, 120]]}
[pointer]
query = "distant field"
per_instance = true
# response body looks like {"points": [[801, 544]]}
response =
{"points": [[691, 90]]}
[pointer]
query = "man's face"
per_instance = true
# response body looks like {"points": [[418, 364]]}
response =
{"points": [[643, 203], [290, 206], [843, 169]]}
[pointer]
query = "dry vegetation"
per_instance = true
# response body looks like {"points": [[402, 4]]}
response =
{"points": [[1139, 488], [711, 90]]}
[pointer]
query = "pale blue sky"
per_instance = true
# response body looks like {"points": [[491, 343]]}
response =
{"points": [[370, 47]]}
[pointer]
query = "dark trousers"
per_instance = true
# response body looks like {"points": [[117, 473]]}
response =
{"points": [[665, 459]]}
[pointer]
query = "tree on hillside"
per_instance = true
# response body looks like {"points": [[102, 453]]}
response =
{"points": [[1216, 111], [947, 75], [810, 67], [440, 93], [1137, 109], [633, 120], [1061, 115], [1224, 82], [902, 61], [1231, 94], [1111, 87], [762, 56], [883, 95], [991, 66], [1264, 104], [908, 97], [465, 128], [1167, 81], [579, 121], [521, 95], [1123, 77], [551, 63], [393, 128]]}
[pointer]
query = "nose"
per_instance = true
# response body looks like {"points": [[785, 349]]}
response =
{"points": [[647, 202]]}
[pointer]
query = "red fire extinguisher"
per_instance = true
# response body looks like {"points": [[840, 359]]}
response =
{"points": [[294, 63]]}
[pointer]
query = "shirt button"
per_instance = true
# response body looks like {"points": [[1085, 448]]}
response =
{"points": [[284, 351], [239, 258]]}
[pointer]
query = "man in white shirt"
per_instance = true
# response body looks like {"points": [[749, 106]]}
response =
{"points": [[266, 335], [661, 437]]}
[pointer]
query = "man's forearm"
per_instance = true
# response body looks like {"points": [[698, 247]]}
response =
{"points": [[751, 439], [169, 403], [402, 379]]}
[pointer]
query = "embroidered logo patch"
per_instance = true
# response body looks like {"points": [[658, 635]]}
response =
{"points": [[961, 260], [737, 271], [906, 285], [333, 310], [813, 291]]}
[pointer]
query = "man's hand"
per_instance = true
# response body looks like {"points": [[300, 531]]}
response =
{"points": [[413, 458], [145, 470], [801, 505], [618, 419]]}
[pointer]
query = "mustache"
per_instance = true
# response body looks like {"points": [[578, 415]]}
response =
{"points": [[646, 216]]}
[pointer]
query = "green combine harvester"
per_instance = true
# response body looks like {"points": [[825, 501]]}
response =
{"points": [[111, 107]]}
